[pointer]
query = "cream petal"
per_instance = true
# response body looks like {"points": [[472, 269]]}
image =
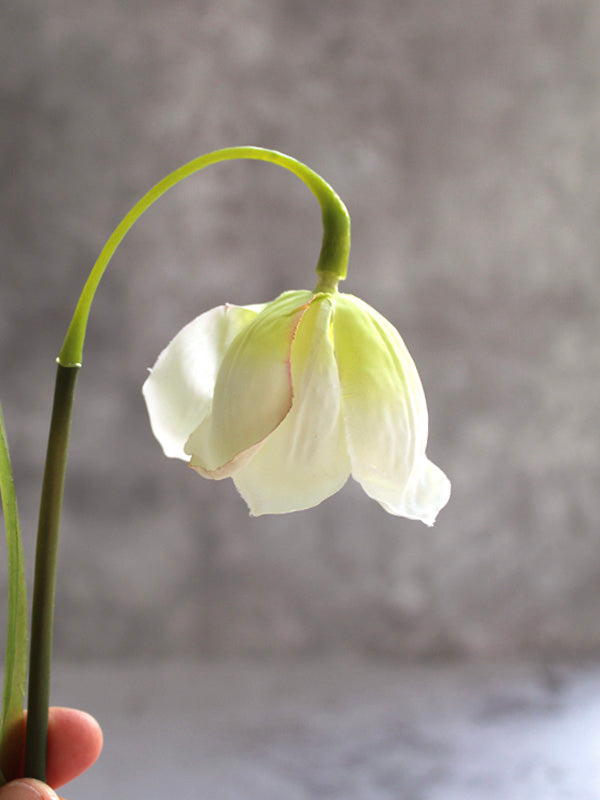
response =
{"points": [[178, 391], [253, 391], [305, 459], [385, 412], [426, 493]]}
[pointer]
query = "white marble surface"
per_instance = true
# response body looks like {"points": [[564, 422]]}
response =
{"points": [[341, 729]]}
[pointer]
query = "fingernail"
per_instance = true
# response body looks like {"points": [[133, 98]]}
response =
{"points": [[27, 789]]}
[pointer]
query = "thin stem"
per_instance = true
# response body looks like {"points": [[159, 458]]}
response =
{"points": [[335, 246], [45, 575], [331, 268]]}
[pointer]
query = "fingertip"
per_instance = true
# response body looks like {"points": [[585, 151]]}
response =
{"points": [[74, 743], [27, 789]]}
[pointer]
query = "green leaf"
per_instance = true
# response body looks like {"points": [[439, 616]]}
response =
{"points": [[15, 663]]}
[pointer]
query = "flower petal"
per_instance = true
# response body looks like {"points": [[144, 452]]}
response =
{"points": [[385, 413], [426, 493], [178, 391], [253, 391], [305, 459]]}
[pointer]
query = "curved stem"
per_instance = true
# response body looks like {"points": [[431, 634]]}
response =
{"points": [[335, 246], [331, 268]]}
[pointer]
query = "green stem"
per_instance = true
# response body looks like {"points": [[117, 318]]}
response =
{"points": [[45, 575], [331, 268], [335, 247]]}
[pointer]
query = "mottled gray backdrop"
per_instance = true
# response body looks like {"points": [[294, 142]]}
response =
{"points": [[464, 138]]}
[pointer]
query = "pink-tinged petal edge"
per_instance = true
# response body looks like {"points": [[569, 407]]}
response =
{"points": [[200, 438]]}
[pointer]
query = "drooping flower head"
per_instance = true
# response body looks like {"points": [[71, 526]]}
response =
{"points": [[288, 398], [291, 398]]}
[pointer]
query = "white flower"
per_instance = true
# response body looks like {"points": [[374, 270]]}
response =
{"points": [[292, 397]]}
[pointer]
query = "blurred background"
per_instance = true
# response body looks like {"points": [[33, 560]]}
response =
{"points": [[463, 137]]}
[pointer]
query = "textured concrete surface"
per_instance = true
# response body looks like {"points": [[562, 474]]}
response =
{"points": [[464, 137], [340, 729]]}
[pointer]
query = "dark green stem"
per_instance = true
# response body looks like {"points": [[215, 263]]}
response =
{"points": [[45, 574]]}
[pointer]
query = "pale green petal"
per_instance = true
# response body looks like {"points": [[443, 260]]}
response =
{"points": [[253, 390], [305, 459], [385, 412], [178, 391]]}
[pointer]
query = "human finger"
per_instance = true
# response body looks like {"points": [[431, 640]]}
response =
{"points": [[74, 744], [27, 789]]}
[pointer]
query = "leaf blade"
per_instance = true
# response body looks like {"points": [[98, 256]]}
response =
{"points": [[15, 664]]}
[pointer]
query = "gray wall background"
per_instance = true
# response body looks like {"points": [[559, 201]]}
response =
{"points": [[463, 136]]}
